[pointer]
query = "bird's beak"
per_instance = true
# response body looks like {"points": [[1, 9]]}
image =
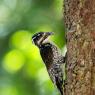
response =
{"points": [[46, 36], [49, 33]]}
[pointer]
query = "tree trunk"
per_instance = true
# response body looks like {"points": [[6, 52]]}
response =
{"points": [[79, 16]]}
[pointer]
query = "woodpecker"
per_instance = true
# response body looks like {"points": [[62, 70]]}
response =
{"points": [[51, 57]]}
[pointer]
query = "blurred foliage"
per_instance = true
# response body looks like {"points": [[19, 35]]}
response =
{"points": [[21, 68]]}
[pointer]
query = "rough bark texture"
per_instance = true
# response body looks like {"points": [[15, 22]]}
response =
{"points": [[79, 18]]}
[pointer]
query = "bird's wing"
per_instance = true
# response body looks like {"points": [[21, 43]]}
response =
{"points": [[56, 73]]}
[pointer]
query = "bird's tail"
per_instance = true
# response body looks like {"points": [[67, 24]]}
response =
{"points": [[61, 90]]}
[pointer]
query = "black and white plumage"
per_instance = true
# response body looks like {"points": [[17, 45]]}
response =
{"points": [[52, 58]]}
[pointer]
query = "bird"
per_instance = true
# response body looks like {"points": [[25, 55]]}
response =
{"points": [[52, 58]]}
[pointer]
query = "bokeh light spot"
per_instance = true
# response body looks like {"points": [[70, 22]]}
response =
{"points": [[22, 40], [13, 61]]}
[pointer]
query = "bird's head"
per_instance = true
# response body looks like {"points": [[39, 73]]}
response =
{"points": [[40, 38]]}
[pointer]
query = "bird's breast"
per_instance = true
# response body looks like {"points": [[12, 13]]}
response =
{"points": [[47, 55]]}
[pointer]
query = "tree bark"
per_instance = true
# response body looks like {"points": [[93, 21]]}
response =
{"points": [[79, 16]]}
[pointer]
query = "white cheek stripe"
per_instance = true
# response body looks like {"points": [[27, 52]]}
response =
{"points": [[41, 39]]}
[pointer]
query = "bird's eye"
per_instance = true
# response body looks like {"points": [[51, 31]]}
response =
{"points": [[37, 36]]}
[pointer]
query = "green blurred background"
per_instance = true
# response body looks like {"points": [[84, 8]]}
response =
{"points": [[22, 71]]}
